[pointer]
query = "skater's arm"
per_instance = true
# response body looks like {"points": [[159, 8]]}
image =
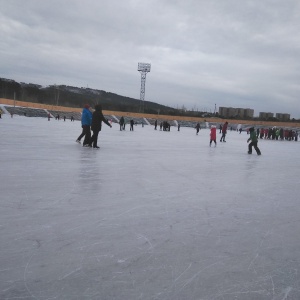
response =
{"points": [[107, 123]]}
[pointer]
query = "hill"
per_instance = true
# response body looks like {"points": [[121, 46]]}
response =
{"points": [[76, 97]]}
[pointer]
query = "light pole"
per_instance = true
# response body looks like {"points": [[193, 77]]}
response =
{"points": [[143, 68]]}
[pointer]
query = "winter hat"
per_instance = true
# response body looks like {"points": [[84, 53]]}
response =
{"points": [[98, 107]]}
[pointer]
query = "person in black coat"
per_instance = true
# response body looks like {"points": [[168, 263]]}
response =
{"points": [[96, 125], [131, 125], [197, 128], [122, 122]]}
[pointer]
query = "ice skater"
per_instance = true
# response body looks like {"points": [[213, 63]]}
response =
{"points": [[213, 135], [96, 125], [224, 131], [131, 125], [121, 122], [197, 128], [86, 121], [253, 139]]}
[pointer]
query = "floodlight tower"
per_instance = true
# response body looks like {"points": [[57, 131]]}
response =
{"points": [[143, 68]]}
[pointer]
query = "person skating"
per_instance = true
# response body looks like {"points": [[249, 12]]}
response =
{"points": [[213, 135], [253, 139], [121, 122], [224, 131], [86, 120], [96, 125], [131, 125], [197, 128]]}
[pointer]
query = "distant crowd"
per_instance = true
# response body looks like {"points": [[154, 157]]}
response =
{"points": [[277, 134]]}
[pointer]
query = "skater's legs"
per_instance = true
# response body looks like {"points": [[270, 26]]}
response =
{"points": [[95, 138], [87, 137], [82, 134], [256, 148], [250, 148]]}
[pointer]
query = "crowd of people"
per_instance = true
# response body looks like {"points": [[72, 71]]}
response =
{"points": [[122, 123], [277, 134], [93, 120]]}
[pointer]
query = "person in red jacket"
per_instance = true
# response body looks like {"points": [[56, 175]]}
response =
{"points": [[224, 131], [213, 135]]}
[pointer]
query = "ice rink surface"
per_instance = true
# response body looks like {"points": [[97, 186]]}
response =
{"points": [[151, 215]]}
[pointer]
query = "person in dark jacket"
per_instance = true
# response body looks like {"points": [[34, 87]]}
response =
{"points": [[96, 125], [197, 128], [253, 139], [224, 131], [86, 120], [121, 122], [131, 125]]}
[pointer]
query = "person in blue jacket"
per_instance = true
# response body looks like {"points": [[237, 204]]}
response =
{"points": [[86, 121]]}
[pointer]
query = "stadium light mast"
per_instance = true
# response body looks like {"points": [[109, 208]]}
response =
{"points": [[143, 68]]}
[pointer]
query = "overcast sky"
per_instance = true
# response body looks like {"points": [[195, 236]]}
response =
{"points": [[236, 53]]}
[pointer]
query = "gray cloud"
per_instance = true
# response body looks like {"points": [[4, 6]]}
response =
{"points": [[229, 53]]}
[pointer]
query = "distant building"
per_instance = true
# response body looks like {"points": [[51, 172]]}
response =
{"points": [[223, 111], [266, 115], [283, 117], [230, 112], [249, 113]]}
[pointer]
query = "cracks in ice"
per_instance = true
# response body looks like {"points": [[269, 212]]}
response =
{"points": [[268, 233]]}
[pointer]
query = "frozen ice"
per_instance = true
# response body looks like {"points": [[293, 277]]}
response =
{"points": [[151, 215]]}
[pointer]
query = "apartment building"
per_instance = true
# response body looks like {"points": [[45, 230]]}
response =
{"points": [[283, 117], [266, 115], [230, 112]]}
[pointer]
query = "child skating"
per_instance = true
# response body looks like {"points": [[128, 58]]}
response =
{"points": [[213, 135], [253, 139]]}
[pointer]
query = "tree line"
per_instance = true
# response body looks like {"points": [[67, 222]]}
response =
{"points": [[69, 96]]}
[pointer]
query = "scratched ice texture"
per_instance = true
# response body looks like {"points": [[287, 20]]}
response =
{"points": [[151, 215]]}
